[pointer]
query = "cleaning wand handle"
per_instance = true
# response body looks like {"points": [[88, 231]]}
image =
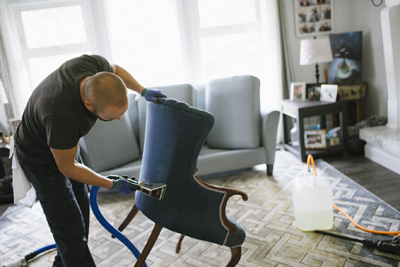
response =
{"points": [[155, 190], [390, 247], [382, 246]]}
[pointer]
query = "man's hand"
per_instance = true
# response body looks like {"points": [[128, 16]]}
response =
{"points": [[152, 95], [123, 186]]}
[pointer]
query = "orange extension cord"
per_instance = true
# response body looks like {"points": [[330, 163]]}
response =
{"points": [[310, 158]]}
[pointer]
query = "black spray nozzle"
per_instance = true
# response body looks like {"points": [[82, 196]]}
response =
{"points": [[156, 190]]}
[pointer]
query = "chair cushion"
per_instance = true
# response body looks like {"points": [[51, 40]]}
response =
{"points": [[235, 104], [109, 144]]}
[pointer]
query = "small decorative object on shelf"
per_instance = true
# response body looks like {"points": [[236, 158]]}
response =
{"points": [[329, 92], [315, 139], [298, 91], [294, 135], [352, 91]]}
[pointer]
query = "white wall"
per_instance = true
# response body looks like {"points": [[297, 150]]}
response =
{"points": [[348, 16]]}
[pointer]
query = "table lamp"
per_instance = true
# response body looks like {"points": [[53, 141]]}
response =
{"points": [[315, 51]]}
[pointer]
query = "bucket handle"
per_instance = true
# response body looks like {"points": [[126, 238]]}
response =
{"points": [[311, 158]]}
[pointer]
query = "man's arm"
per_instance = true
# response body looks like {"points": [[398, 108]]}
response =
{"points": [[131, 83], [128, 79], [68, 166]]}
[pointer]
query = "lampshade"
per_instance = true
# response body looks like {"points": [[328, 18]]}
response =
{"points": [[315, 51]]}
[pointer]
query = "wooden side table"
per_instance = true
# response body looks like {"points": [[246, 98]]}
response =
{"points": [[299, 110]]}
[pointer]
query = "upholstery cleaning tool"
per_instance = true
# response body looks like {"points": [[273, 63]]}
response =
{"points": [[392, 246], [156, 191]]}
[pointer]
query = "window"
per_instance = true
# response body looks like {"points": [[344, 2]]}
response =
{"points": [[226, 13], [51, 32], [57, 26], [145, 40], [160, 42], [231, 39]]}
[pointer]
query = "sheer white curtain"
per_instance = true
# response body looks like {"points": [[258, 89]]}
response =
{"points": [[160, 42], [165, 42]]}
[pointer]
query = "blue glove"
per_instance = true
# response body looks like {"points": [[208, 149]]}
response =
{"points": [[121, 185], [152, 95]]}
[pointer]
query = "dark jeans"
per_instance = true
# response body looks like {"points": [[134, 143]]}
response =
{"points": [[65, 203]]}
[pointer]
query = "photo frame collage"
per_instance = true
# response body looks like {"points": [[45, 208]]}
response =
{"points": [[313, 17]]}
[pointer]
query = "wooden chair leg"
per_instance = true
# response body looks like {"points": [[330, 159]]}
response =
{"points": [[179, 244], [236, 254], [128, 218], [149, 245]]}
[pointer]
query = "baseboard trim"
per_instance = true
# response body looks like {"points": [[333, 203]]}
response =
{"points": [[382, 157]]}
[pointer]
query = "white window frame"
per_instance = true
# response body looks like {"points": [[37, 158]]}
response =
{"points": [[95, 26], [192, 33], [95, 19]]}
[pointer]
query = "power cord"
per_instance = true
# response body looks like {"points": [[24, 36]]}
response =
{"points": [[363, 228]]}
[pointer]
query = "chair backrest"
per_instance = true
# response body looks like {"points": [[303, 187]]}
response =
{"points": [[235, 103], [175, 134]]}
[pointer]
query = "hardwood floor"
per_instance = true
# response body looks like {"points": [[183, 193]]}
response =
{"points": [[377, 179]]}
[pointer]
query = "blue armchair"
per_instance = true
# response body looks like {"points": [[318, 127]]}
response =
{"points": [[175, 134]]}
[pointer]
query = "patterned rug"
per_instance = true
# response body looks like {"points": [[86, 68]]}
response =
{"points": [[267, 217]]}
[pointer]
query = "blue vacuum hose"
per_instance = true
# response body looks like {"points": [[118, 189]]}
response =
{"points": [[24, 261], [99, 216], [115, 232]]}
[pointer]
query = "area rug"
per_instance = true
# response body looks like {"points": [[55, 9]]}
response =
{"points": [[267, 217]]}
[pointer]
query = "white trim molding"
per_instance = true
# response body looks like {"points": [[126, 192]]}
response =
{"points": [[391, 43]]}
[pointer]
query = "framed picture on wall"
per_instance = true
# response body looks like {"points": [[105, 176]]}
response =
{"points": [[313, 17], [347, 58], [298, 91]]}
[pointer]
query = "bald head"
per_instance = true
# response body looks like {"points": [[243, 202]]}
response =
{"points": [[105, 89]]}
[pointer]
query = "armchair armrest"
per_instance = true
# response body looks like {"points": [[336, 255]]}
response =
{"points": [[269, 131], [227, 192]]}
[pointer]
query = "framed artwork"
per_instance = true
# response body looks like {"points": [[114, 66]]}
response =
{"points": [[329, 92], [313, 17], [298, 91], [313, 91], [347, 58], [315, 139]]}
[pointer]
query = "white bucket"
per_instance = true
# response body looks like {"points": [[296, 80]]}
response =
{"points": [[312, 202]]}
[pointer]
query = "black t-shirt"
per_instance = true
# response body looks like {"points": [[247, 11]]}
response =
{"points": [[55, 115]]}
